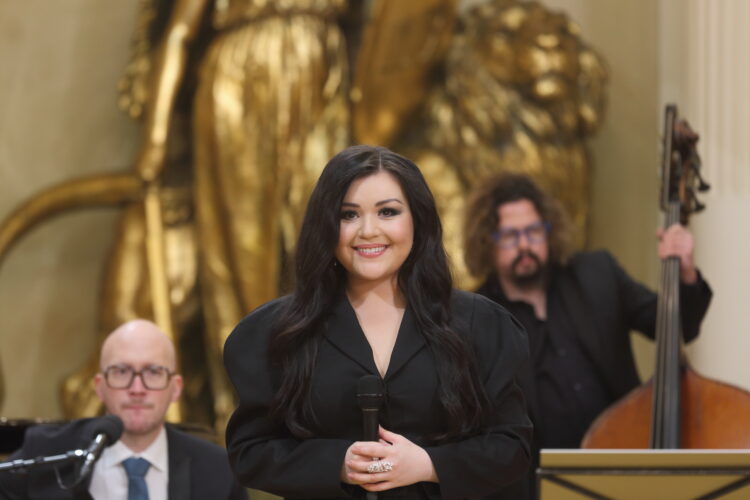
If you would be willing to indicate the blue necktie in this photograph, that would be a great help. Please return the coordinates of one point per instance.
(136, 469)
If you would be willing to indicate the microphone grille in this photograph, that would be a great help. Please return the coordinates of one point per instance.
(109, 425)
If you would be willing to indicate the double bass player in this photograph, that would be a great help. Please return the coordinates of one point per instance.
(578, 309)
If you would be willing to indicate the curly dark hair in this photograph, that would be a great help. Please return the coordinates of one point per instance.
(424, 279)
(482, 220)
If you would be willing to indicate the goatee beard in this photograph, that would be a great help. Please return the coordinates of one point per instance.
(529, 281)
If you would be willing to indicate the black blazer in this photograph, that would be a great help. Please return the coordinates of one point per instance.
(266, 456)
(198, 469)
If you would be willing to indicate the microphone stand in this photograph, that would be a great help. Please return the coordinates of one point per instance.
(21, 464)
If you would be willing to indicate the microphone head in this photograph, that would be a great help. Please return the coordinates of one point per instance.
(370, 392)
(109, 425)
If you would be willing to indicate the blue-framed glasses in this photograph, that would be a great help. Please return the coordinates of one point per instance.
(509, 238)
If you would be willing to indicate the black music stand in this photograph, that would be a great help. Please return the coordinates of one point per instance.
(644, 474)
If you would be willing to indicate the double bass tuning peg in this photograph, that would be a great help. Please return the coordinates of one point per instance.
(695, 167)
(703, 186)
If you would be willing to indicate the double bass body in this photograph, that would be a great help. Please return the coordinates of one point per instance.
(713, 415)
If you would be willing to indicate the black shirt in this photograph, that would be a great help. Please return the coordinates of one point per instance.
(567, 391)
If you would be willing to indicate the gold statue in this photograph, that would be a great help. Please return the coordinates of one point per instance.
(270, 106)
(243, 102)
(521, 92)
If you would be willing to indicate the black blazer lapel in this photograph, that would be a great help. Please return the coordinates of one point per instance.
(178, 487)
(580, 316)
(343, 331)
(408, 343)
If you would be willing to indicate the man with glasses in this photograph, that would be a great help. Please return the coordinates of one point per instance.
(151, 461)
(577, 309)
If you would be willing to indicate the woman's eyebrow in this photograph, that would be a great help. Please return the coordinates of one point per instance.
(388, 201)
(382, 202)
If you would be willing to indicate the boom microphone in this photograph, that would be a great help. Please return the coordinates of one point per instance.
(106, 431)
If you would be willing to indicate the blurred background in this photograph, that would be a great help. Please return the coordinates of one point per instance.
(62, 63)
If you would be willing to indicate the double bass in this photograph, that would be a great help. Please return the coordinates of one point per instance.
(677, 408)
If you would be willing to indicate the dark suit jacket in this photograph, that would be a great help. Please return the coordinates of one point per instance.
(266, 456)
(198, 469)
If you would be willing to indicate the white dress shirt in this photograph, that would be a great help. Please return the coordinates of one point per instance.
(110, 482)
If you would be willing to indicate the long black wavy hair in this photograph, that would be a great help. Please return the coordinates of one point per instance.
(424, 279)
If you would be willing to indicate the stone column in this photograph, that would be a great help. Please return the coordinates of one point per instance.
(706, 71)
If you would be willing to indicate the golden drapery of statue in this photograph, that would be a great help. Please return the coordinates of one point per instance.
(244, 101)
(269, 108)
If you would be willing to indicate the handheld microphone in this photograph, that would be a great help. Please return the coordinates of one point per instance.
(106, 431)
(370, 399)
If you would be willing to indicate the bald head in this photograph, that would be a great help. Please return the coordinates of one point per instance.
(143, 350)
(138, 336)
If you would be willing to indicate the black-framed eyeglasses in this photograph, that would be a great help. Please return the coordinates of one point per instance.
(509, 238)
(154, 377)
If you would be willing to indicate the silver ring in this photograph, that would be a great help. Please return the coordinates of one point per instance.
(379, 466)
